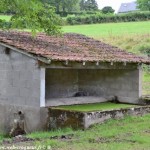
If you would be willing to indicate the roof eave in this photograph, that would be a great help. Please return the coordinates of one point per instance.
(42, 59)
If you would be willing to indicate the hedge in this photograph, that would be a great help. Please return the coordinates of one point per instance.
(102, 18)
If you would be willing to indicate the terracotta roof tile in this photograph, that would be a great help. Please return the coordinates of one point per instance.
(73, 47)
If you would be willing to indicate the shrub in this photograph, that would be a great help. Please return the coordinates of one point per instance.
(145, 49)
(106, 18)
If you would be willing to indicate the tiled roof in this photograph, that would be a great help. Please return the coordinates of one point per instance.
(127, 7)
(71, 47)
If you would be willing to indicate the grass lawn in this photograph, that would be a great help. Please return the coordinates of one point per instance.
(110, 29)
(5, 17)
(95, 107)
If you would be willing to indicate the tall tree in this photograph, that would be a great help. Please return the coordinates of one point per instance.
(54, 3)
(69, 5)
(63, 5)
(31, 14)
(143, 5)
(89, 5)
(82, 5)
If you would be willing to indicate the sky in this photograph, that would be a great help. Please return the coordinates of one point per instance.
(115, 4)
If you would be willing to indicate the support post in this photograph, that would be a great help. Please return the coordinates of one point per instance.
(42, 87)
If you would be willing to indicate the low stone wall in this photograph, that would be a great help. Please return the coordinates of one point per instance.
(63, 118)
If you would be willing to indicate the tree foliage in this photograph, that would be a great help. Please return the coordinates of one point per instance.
(144, 5)
(107, 10)
(31, 14)
(63, 5)
(88, 5)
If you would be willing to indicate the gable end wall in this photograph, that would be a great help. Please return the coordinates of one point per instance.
(19, 78)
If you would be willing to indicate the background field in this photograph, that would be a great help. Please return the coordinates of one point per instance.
(110, 29)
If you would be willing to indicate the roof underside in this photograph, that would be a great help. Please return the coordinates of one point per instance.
(71, 47)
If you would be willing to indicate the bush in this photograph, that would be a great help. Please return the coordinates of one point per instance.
(145, 49)
(106, 18)
(4, 24)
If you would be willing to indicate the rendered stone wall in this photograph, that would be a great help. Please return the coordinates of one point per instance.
(125, 84)
(61, 83)
(19, 79)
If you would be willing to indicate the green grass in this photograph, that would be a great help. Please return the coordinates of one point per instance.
(131, 133)
(146, 83)
(44, 134)
(1, 137)
(110, 29)
(5, 17)
(95, 107)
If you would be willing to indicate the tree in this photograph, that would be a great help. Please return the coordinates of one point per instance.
(82, 5)
(63, 5)
(143, 5)
(88, 5)
(54, 3)
(31, 14)
(107, 10)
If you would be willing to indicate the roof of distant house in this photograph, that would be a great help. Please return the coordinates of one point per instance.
(70, 46)
(128, 7)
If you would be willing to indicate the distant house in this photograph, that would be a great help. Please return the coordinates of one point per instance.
(128, 7)
(36, 73)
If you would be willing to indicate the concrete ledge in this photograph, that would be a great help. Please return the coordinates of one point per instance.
(64, 118)
(130, 100)
(74, 100)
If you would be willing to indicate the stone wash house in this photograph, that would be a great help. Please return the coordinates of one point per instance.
(36, 73)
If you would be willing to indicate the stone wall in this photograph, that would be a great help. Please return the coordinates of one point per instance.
(19, 79)
(125, 84)
(61, 83)
(63, 118)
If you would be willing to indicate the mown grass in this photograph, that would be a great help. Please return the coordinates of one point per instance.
(95, 107)
(110, 29)
(130, 133)
(5, 17)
